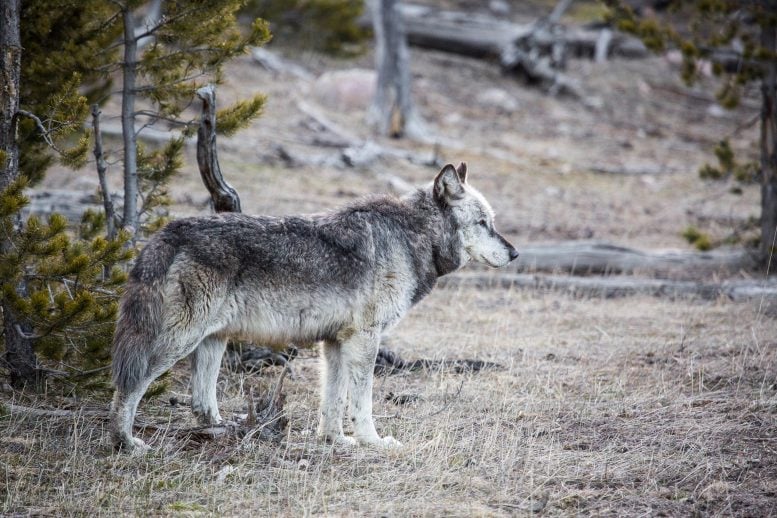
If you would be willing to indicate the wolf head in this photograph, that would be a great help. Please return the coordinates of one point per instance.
(473, 218)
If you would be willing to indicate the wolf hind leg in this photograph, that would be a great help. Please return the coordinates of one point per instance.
(206, 360)
(334, 393)
(169, 348)
(359, 352)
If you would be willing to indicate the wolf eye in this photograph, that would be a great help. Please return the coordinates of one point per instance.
(483, 223)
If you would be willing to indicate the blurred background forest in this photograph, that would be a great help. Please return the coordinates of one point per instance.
(628, 147)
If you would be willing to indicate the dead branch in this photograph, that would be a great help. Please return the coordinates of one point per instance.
(44, 133)
(110, 213)
(354, 151)
(58, 412)
(388, 362)
(539, 56)
(277, 65)
(224, 196)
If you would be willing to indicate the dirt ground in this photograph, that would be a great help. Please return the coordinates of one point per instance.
(611, 407)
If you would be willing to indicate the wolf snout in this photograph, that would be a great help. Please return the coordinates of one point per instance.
(513, 254)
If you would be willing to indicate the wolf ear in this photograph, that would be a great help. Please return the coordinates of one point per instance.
(448, 185)
(462, 170)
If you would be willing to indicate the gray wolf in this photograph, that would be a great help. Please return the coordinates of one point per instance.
(339, 278)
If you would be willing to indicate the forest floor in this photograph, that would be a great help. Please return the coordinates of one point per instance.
(629, 406)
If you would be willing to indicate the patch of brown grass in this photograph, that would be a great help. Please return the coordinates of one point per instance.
(627, 406)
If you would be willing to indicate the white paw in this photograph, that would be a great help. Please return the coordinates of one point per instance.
(387, 442)
(139, 447)
(206, 419)
(133, 446)
(337, 440)
(344, 440)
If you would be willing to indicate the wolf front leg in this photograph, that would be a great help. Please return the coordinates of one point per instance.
(334, 391)
(358, 353)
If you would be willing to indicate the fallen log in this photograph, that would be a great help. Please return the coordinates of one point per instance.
(483, 36)
(593, 257)
(764, 291)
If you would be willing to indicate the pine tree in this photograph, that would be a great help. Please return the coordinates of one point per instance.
(60, 285)
(740, 39)
(54, 288)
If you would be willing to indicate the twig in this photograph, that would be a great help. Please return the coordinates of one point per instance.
(440, 410)
(251, 417)
(26, 335)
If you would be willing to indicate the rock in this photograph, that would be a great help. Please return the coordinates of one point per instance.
(351, 89)
(497, 98)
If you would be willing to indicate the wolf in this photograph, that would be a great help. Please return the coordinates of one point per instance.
(340, 278)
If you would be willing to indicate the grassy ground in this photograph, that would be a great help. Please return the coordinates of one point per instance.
(609, 407)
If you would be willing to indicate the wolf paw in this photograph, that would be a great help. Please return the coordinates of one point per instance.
(386, 443)
(337, 440)
(209, 419)
(389, 443)
(133, 446)
(344, 440)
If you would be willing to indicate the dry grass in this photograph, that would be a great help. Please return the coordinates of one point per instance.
(630, 406)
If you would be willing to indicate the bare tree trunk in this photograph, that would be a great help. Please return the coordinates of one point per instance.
(129, 71)
(19, 354)
(10, 67)
(224, 196)
(110, 215)
(392, 111)
(769, 148)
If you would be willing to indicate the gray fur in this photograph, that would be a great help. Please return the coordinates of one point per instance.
(340, 278)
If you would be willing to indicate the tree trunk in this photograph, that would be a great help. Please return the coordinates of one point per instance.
(19, 354)
(769, 148)
(129, 71)
(393, 112)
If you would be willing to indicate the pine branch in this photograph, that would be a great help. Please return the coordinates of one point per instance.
(45, 133)
(157, 117)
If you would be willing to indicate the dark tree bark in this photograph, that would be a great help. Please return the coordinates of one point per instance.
(224, 196)
(769, 148)
(129, 73)
(392, 111)
(19, 354)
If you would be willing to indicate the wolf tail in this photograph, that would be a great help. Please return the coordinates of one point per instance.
(140, 316)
